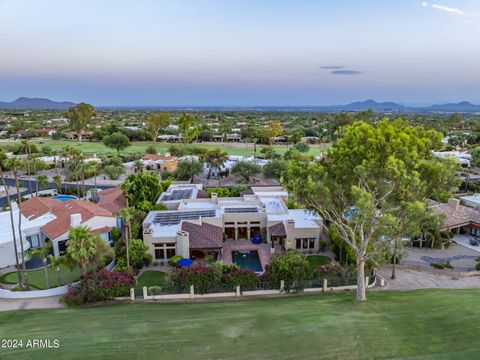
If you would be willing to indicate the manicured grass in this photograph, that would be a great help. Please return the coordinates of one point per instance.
(36, 278)
(426, 324)
(140, 146)
(151, 278)
(317, 260)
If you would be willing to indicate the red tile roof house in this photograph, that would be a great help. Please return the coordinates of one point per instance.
(112, 200)
(67, 215)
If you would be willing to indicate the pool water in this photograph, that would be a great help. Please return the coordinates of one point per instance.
(65, 197)
(247, 259)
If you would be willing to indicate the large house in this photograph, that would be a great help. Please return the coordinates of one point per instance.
(201, 226)
(47, 219)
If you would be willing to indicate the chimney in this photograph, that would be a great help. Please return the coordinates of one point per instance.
(75, 220)
(454, 203)
(214, 198)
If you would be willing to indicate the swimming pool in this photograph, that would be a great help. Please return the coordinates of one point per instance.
(65, 197)
(247, 259)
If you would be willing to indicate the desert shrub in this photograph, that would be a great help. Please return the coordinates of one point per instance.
(99, 286)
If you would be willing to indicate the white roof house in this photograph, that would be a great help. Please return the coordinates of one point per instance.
(7, 248)
(464, 158)
(203, 223)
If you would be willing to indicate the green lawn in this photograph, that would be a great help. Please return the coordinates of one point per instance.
(140, 146)
(426, 324)
(317, 260)
(36, 278)
(151, 278)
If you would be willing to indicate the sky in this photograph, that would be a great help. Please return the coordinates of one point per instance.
(240, 52)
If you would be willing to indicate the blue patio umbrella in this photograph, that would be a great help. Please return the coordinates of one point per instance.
(185, 262)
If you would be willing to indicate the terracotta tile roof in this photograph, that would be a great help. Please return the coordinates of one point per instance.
(455, 215)
(102, 230)
(156, 157)
(202, 194)
(277, 230)
(63, 213)
(205, 236)
(38, 206)
(248, 191)
(112, 200)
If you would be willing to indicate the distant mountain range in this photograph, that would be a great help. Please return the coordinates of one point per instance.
(464, 106)
(36, 104)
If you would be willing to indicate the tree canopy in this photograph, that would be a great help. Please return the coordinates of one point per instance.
(367, 179)
(79, 117)
(143, 190)
(157, 122)
(117, 141)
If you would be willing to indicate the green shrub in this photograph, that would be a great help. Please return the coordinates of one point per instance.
(291, 267)
(323, 245)
(173, 261)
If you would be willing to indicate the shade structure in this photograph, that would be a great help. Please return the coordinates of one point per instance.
(185, 262)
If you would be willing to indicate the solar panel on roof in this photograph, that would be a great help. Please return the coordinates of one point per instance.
(176, 217)
(234, 210)
(177, 195)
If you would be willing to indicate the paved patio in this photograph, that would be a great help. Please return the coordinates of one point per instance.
(459, 256)
(263, 250)
(464, 240)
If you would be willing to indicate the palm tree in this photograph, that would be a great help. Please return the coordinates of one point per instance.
(85, 247)
(57, 262)
(137, 166)
(94, 167)
(14, 164)
(12, 222)
(27, 148)
(43, 252)
(215, 158)
(127, 214)
(57, 175)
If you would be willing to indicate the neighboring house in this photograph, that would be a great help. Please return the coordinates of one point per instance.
(7, 248)
(157, 162)
(55, 218)
(462, 157)
(201, 225)
(458, 219)
(73, 135)
(112, 200)
(178, 191)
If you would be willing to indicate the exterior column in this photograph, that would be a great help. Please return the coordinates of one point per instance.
(248, 233)
(56, 251)
(236, 233)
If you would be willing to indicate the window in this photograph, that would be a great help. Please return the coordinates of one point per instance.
(164, 251)
(305, 243)
(34, 241)
(298, 243)
(229, 223)
(254, 222)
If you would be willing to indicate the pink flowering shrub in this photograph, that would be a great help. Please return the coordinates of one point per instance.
(98, 286)
(208, 277)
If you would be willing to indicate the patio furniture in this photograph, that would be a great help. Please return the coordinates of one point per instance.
(474, 242)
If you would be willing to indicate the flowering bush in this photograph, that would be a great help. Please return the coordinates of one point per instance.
(98, 286)
(206, 277)
(328, 270)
